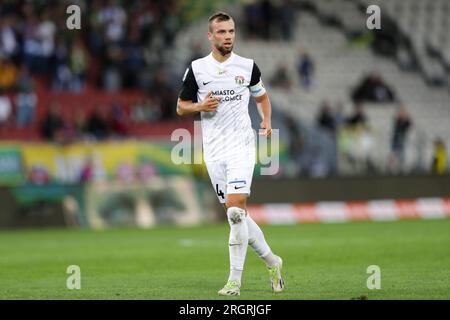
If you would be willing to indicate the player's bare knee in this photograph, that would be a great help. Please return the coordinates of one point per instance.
(236, 205)
(236, 202)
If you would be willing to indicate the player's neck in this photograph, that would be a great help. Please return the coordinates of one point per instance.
(219, 57)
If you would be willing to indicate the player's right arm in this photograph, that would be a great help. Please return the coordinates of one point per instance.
(187, 103)
(188, 107)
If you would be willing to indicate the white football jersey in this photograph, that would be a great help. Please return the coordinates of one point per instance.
(227, 131)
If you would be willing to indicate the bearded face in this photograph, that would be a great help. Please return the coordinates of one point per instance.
(222, 35)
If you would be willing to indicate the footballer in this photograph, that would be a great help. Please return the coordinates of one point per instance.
(219, 87)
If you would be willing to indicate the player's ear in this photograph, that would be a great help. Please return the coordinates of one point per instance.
(209, 35)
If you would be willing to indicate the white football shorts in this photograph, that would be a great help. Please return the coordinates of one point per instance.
(231, 175)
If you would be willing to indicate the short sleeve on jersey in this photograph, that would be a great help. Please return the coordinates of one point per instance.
(190, 87)
(256, 75)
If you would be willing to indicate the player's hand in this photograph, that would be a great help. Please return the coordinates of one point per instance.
(265, 124)
(210, 103)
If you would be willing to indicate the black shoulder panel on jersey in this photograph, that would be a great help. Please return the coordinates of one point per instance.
(256, 75)
(190, 87)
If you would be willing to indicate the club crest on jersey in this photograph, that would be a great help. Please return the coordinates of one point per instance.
(239, 79)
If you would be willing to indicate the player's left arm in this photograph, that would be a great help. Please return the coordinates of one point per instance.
(265, 111)
(259, 93)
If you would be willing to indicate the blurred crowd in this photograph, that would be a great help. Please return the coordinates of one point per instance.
(120, 45)
(282, 77)
(102, 123)
(346, 143)
(269, 20)
(117, 43)
(340, 143)
(99, 125)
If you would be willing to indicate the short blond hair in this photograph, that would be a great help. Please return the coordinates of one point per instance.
(219, 17)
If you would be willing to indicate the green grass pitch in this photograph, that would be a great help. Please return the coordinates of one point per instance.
(320, 262)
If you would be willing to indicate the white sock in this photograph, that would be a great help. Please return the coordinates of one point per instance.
(258, 243)
(238, 242)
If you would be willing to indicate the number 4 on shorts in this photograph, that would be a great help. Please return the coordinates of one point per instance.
(220, 192)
